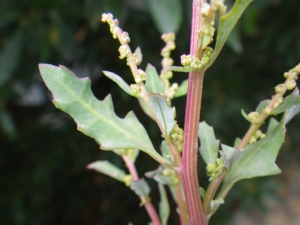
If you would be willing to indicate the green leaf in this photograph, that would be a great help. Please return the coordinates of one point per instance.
(139, 54)
(95, 118)
(109, 169)
(182, 89)
(234, 40)
(209, 144)
(202, 192)
(227, 22)
(257, 160)
(122, 84)
(227, 154)
(140, 187)
(262, 105)
(145, 108)
(159, 177)
(287, 102)
(244, 114)
(10, 56)
(7, 124)
(164, 113)
(153, 82)
(166, 14)
(164, 207)
(166, 152)
(292, 112)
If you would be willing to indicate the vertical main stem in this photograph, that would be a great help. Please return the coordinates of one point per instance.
(189, 169)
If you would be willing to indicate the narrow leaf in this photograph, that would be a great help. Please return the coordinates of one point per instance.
(182, 89)
(227, 22)
(164, 113)
(258, 160)
(292, 112)
(138, 53)
(153, 82)
(159, 177)
(209, 144)
(287, 102)
(166, 14)
(262, 105)
(109, 169)
(164, 207)
(95, 118)
(122, 84)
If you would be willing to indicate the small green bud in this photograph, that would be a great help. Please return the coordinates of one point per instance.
(253, 117)
(252, 140)
(125, 37)
(267, 110)
(123, 50)
(136, 89)
(280, 88)
(290, 84)
(140, 76)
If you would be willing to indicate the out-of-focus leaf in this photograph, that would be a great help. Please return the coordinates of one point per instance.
(95, 118)
(182, 89)
(140, 187)
(164, 207)
(6, 124)
(234, 40)
(109, 169)
(227, 22)
(10, 56)
(153, 82)
(166, 14)
(209, 144)
(122, 84)
(164, 113)
(262, 105)
(294, 110)
(287, 102)
(257, 160)
(159, 177)
(138, 53)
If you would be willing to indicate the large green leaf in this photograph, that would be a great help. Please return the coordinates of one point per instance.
(227, 23)
(95, 118)
(166, 14)
(257, 160)
(164, 113)
(209, 144)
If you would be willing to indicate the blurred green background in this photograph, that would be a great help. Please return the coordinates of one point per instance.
(42, 155)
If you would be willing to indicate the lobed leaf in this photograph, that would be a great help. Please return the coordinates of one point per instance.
(257, 160)
(209, 144)
(95, 118)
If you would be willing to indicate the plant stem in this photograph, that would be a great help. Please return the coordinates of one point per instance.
(148, 205)
(181, 204)
(189, 169)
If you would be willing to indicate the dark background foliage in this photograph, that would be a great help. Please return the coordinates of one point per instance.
(42, 155)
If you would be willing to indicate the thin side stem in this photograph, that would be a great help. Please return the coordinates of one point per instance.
(189, 169)
(148, 205)
(181, 204)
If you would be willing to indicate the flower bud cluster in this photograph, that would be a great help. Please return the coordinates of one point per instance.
(214, 170)
(172, 175)
(136, 89)
(253, 118)
(195, 63)
(140, 76)
(258, 135)
(113, 23)
(209, 12)
(177, 137)
(171, 91)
